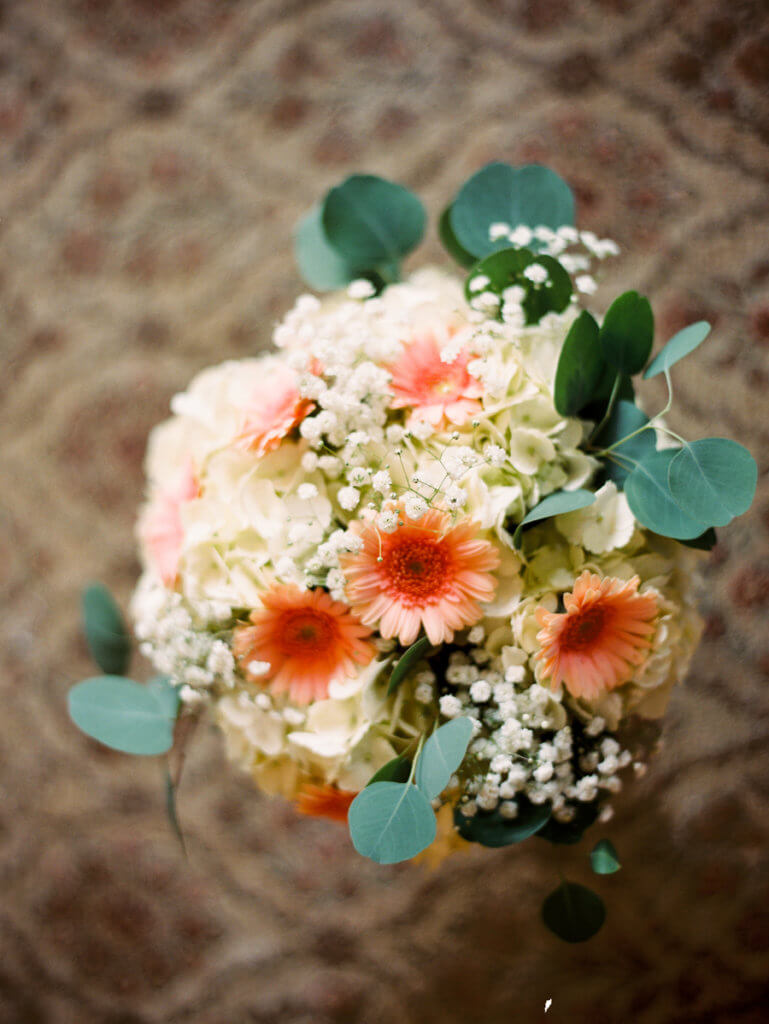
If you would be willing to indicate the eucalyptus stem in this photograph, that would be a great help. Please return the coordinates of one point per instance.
(416, 758)
(610, 407)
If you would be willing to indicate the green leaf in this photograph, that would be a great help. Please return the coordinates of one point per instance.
(555, 504)
(406, 662)
(625, 418)
(105, 630)
(627, 332)
(713, 480)
(573, 912)
(491, 829)
(568, 833)
(652, 503)
(498, 193)
(173, 817)
(397, 770)
(321, 266)
(442, 755)
(506, 267)
(604, 859)
(371, 221)
(166, 694)
(680, 345)
(580, 366)
(122, 714)
(705, 542)
(450, 243)
(390, 822)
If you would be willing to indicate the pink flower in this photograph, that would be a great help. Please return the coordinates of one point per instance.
(426, 573)
(161, 527)
(602, 637)
(274, 409)
(435, 391)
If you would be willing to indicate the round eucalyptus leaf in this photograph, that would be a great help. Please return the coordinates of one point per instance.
(680, 345)
(489, 828)
(580, 366)
(627, 332)
(604, 859)
(625, 418)
(555, 504)
(441, 755)
(450, 243)
(397, 770)
(507, 267)
(321, 266)
(390, 822)
(652, 503)
(500, 194)
(713, 479)
(105, 630)
(122, 714)
(705, 542)
(166, 694)
(573, 912)
(371, 221)
(568, 833)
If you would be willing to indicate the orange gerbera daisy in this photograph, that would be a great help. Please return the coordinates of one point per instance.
(426, 573)
(602, 637)
(307, 639)
(325, 802)
(161, 527)
(435, 391)
(274, 409)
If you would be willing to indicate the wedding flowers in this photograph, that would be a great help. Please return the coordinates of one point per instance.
(435, 390)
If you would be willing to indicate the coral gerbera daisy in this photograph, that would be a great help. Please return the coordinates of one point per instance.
(425, 573)
(275, 407)
(161, 527)
(306, 638)
(602, 637)
(324, 802)
(435, 391)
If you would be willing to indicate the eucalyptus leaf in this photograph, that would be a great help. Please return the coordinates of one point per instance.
(321, 266)
(705, 542)
(580, 366)
(489, 828)
(105, 630)
(680, 345)
(604, 859)
(171, 812)
(370, 221)
(406, 662)
(122, 714)
(627, 332)
(555, 504)
(166, 694)
(573, 912)
(568, 833)
(506, 267)
(713, 480)
(624, 420)
(397, 770)
(441, 755)
(652, 503)
(391, 822)
(532, 195)
(450, 243)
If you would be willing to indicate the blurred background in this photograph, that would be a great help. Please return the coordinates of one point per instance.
(155, 156)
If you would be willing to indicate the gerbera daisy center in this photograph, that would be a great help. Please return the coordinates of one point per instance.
(418, 568)
(583, 629)
(303, 631)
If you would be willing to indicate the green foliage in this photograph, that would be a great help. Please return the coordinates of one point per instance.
(397, 770)
(573, 912)
(652, 502)
(442, 755)
(627, 333)
(499, 193)
(491, 829)
(123, 715)
(713, 480)
(406, 662)
(505, 268)
(166, 695)
(555, 504)
(171, 812)
(680, 345)
(390, 822)
(450, 243)
(568, 833)
(705, 542)
(580, 366)
(604, 859)
(321, 266)
(625, 418)
(105, 630)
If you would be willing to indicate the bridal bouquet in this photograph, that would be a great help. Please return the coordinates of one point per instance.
(429, 564)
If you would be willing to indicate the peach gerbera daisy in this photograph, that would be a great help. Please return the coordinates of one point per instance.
(161, 527)
(307, 639)
(602, 637)
(435, 391)
(426, 573)
(275, 407)
(324, 802)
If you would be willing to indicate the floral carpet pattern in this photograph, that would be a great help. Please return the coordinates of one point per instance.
(155, 156)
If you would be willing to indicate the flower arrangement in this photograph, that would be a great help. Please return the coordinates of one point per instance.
(429, 565)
